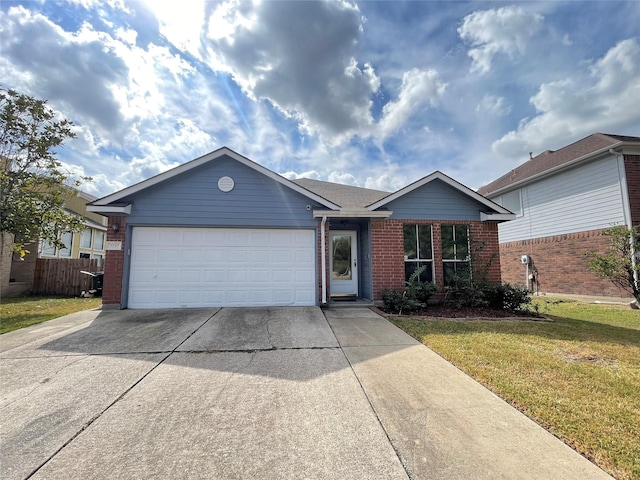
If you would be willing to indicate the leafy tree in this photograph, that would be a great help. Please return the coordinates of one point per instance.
(620, 263)
(33, 185)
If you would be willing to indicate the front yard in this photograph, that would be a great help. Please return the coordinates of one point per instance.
(578, 376)
(20, 312)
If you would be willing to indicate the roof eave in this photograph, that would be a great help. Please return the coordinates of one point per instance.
(567, 165)
(352, 213)
(110, 209)
(497, 217)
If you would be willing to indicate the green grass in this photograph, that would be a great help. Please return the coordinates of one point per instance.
(577, 376)
(20, 312)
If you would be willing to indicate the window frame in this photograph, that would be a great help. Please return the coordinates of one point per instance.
(455, 261)
(501, 198)
(103, 236)
(67, 251)
(83, 236)
(419, 261)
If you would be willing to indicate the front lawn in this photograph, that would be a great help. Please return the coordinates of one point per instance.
(578, 376)
(20, 312)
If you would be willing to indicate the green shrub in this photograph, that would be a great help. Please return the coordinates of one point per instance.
(463, 293)
(397, 301)
(418, 290)
(516, 297)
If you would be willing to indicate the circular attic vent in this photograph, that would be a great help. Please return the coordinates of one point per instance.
(226, 184)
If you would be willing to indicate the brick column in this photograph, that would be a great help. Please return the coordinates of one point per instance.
(114, 264)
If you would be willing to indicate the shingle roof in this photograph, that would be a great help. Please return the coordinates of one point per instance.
(344, 195)
(550, 159)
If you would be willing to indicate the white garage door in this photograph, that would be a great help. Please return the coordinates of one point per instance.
(214, 267)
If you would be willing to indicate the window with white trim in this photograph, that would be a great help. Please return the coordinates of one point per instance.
(98, 240)
(85, 238)
(455, 252)
(418, 250)
(67, 239)
(512, 201)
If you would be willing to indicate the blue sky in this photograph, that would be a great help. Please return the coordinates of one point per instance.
(374, 94)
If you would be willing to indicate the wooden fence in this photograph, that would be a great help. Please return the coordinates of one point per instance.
(61, 276)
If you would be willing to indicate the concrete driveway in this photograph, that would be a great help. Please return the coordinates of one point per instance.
(254, 393)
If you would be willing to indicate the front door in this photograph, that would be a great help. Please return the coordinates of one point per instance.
(344, 263)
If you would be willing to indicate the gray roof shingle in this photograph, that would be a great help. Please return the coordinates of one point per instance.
(347, 196)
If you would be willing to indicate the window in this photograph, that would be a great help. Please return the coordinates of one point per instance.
(99, 259)
(67, 239)
(98, 240)
(85, 239)
(47, 249)
(511, 201)
(455, 252)
(85, 255)
(418, 251)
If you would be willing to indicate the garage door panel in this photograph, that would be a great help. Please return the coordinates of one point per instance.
(166, 255)
(190, 297)
(214, 276)
(221, 267)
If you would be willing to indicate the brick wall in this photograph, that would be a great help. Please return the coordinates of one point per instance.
(114, 264)
(559, 264)
(632, 170)
(387, 248)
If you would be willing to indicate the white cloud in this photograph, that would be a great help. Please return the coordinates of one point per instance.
(602, 100)
(493, 105)
(386, 182)
(504, 30)
(312, 174)
(181, 23)
(343, 178)
(418, 88)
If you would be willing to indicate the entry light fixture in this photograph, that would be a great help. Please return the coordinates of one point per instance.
(115, 227)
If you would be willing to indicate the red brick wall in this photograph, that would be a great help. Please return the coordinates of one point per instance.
(632, 170)
(559, 263)
(114, 264)
(387, 247)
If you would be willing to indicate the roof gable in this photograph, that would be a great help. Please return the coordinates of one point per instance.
(117, 198)
(549, 160)
(439, 176)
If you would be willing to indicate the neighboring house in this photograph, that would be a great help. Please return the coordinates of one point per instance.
(18, 274)
(222, 230)
(563, 200)
(88, 243)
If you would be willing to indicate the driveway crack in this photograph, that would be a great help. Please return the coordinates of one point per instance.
(120, 397)
(43, 382)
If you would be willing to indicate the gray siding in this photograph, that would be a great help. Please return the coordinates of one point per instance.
(581, 199)
(364, 252)
(193, 199)
(435, 201)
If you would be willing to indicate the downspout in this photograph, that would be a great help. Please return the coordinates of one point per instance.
(323, 260)
(626, 206)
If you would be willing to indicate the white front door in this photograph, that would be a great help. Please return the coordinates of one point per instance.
(344, 263)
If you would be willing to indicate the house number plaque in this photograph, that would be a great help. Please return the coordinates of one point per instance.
(113, 245)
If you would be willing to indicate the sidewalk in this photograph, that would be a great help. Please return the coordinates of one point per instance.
(442, 423)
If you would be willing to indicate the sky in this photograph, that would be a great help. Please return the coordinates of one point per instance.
(373, 94)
